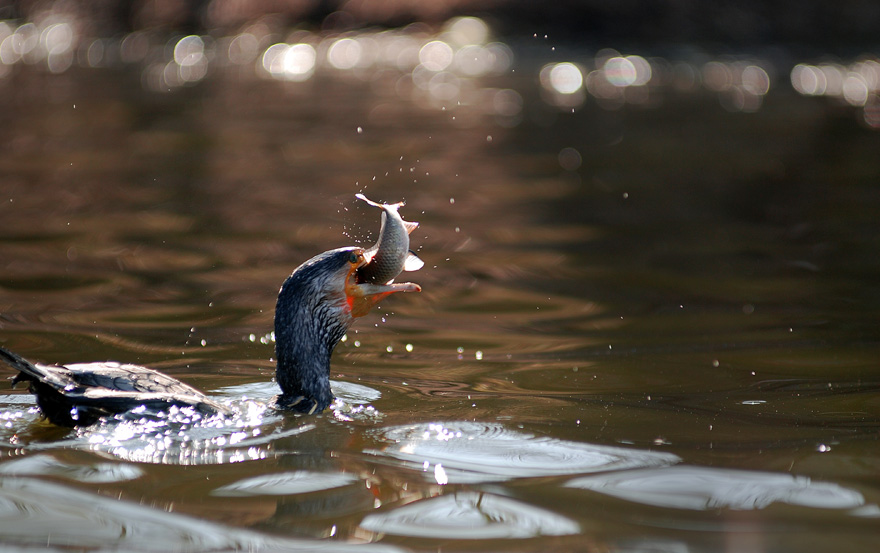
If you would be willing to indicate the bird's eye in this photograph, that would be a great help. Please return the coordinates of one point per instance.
(353, 257)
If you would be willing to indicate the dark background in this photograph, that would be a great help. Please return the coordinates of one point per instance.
(807, 27)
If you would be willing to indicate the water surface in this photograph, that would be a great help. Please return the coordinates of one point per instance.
(643, 327)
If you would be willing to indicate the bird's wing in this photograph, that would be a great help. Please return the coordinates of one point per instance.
(126, 378)
(125, 383)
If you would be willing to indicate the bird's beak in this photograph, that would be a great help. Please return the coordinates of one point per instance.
(363, 296)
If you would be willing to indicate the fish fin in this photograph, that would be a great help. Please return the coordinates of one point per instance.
(410, 226)
(370, 253)
(412, 262)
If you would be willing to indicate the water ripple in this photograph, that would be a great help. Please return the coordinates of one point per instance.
(286, 483)
(705, 488)
(46, 465)
(470, 515)
(473, 452)
(38, 513)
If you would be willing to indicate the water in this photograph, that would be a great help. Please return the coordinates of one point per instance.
(643, 327)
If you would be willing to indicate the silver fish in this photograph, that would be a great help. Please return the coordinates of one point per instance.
(391, 254)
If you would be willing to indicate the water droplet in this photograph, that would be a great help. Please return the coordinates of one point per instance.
(478, 355)
(360, 130)
(409, 347)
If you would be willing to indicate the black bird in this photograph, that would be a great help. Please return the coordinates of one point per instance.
(316, 305)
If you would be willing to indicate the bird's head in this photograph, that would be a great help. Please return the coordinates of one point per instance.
(316, 305)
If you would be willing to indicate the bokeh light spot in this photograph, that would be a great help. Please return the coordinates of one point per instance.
(507, 102)
(570, 159)
(436, 55)
(464, 31)
(243, 49)
(566, 78)
(855, 90)
(755, 80)
(833, 79)
(299, 62)
(290, 62)
(620, 71)
(643, 70)
(344, 53)
(807, 80)
(717, 76)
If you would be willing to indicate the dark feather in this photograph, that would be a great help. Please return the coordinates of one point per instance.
(79, 394)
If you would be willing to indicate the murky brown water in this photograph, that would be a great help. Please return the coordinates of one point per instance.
(642, 329)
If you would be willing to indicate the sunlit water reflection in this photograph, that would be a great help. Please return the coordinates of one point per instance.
(470, 515)
(469, 452)
(185, 436)
(45, 465)
(703, 488)
(287, 483)
(42, 514)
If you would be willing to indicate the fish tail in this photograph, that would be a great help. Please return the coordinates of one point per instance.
(369, 201)
(395, 207)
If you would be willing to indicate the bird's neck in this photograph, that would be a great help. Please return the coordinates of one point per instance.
(304, 342)
(304, 378)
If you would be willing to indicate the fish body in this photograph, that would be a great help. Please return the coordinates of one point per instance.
(391, 254)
